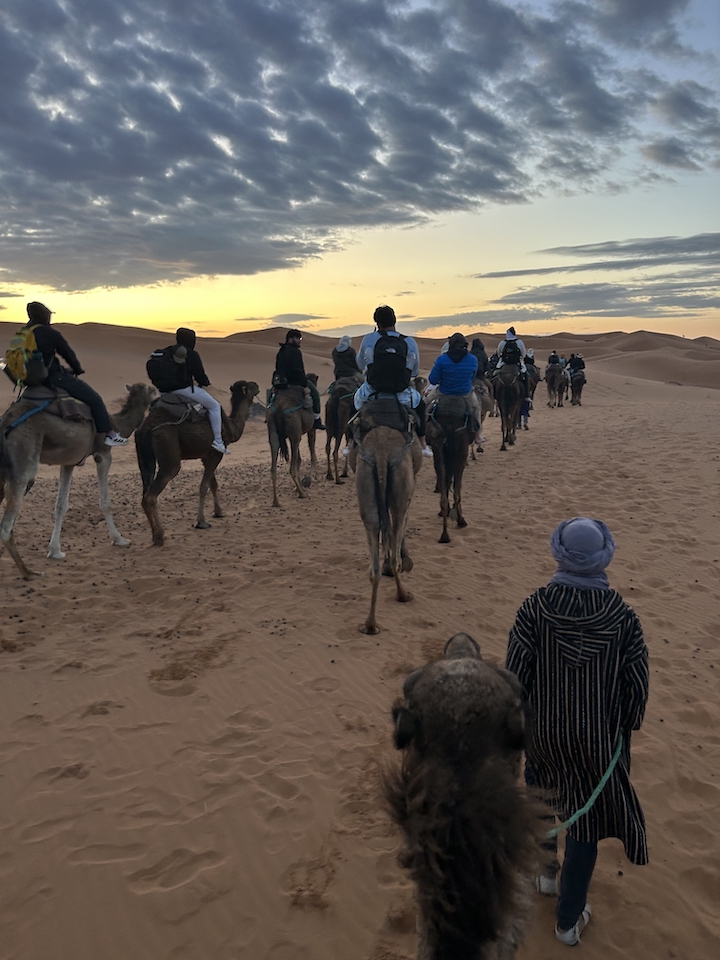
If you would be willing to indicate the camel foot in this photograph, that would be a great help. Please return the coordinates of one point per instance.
(121, 542)
(406, 565)
(329, 476)
(31, 574)
(56, 555)
(158, 539)
(339, 483)
(462, 522)
(370, 629)
(218, 513)
(306, 480)
(404, 597)
(445, 537)
(479, 449)
(386, 569)
(202, 525)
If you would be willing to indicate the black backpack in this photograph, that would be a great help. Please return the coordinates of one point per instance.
(511, 352)
(164, 372)
(389, 373)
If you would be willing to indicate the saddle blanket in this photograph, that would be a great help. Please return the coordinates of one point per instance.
(385, 413)
(180, 408)
(61, 405)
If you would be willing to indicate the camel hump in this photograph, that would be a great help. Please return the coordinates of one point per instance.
(450, 406)
(57, 402)
(384, 412)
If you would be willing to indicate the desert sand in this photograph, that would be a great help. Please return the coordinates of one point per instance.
(191, 734)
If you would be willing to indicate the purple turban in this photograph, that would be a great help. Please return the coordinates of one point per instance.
(582, 548)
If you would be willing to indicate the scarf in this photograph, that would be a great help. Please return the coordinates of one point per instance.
(582, 548)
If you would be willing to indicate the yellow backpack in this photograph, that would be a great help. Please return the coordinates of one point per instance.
(24, 363)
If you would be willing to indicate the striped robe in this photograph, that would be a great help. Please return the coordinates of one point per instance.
(583, 664)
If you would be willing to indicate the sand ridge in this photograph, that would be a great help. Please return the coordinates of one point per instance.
(192, 733)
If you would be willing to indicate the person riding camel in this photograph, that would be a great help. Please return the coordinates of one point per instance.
(453, 374)
(554, 358)
(195, 380)
(478, 351)
(290, 370)
(52, 344)
(576, 363)
(379, 344)
(511, 351)
(345, 361)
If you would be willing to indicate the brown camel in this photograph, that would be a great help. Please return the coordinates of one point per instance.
(46, 438)
(483, 391)
(555, 382)
(533, 378)
(509, 392)
(163, 442)
(288, 418)
(338, 411)
(470, 832)
(577, 382)
(386, 462)
(449, 432)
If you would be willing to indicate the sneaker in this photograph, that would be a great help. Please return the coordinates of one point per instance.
(547, 886)
(116, 441)
(219, 446)
(482, 439)
(346, 452)
(319, 425)
(572, 936)
(427, 452)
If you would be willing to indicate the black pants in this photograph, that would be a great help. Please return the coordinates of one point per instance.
(421, 410)
(315, 394)
(82, 391)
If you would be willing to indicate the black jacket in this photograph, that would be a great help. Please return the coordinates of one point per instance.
(51, 343)
(345, 362)
(194, 370)
(482, 359)
(577, 363)
(289, 364)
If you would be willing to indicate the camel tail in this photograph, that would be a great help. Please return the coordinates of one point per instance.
(468, 842)
(277, 433)
(383, 481)
(6, 464)
(145, 457)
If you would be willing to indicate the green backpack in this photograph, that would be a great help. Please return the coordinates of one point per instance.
(24, 363)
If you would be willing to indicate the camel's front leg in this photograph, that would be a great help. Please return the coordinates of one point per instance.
(104, 462)
(210, 462)
(150, 497)
(295, 467)
(61, 507)
(217, 509)
(373, 537)
(14, 493)
(311, 444)
(457, 492)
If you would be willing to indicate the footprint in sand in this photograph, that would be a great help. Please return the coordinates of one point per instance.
(99, 853)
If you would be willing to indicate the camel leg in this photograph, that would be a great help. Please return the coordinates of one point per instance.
(217, 509)
(328, 441)
(274, 450)
(373, 537)
(457, 493)
(103, 464)
(149, 501)
(295, 467)
(443, 487)
(402, 595)
(208, 476)
(61, 507)
(311, 444)
(14, 492)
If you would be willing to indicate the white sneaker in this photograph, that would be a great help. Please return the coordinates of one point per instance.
(116, 441)
(219, 446)
(572, 936)
(427, 452)
(346, 452)
(547, 886)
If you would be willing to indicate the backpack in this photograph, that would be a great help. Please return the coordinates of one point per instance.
(164, 372)
(389, 373)
(511, 353)
(24, 363)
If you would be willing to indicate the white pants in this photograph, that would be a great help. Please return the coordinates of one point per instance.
(198, 395)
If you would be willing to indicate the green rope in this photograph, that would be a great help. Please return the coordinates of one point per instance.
(594, 795)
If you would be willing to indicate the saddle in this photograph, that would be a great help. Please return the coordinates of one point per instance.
(384, 412)
(452, 406)
(180, 409)
(61, 403)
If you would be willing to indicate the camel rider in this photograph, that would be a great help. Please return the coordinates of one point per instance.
(478, 351)
(576, 363)
(52, 344)
(193, 373)
(554, 358)
(385, 320)
(289, 367)
(512, 350)
(453, 374)
(530, 357)
(345, 361)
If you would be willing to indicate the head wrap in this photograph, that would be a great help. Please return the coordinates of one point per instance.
(457, 347)
(582, 548)
(38, 312)
(345, 342)
(186, 337)
(511, 335)
(445, 347)
(531, 353)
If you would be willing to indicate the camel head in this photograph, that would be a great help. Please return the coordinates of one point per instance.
(244, 388)
(143, 393)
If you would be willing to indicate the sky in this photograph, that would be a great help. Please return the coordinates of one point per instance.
(233, 164)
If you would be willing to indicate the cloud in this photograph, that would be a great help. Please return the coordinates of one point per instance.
(147, 141)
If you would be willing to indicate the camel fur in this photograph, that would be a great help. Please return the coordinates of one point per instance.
(470, 831)
(386, 462)
(162, 443)
(288, 418)
(338, 411)
(449, 432)
(45, 438)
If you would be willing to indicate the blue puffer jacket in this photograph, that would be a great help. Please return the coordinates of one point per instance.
(454, 379)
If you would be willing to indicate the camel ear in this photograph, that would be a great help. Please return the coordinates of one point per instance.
(406, 726)
(128, 387)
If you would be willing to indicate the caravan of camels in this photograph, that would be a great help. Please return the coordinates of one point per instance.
(254, 821)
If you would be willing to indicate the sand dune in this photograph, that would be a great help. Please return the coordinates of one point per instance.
(192, 733)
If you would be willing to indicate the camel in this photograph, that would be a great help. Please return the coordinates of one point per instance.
(555, 381)
(46, 438)
(288, 418)
(534, 377)
(449, 432)
(577, 382)
(163, 442)
(338, 411)
(471, 834)
(509, 392)
(386, 462)
(483, 391)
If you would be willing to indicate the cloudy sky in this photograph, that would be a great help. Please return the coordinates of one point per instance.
(232, 163)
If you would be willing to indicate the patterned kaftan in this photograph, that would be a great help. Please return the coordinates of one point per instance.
(583, 664)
